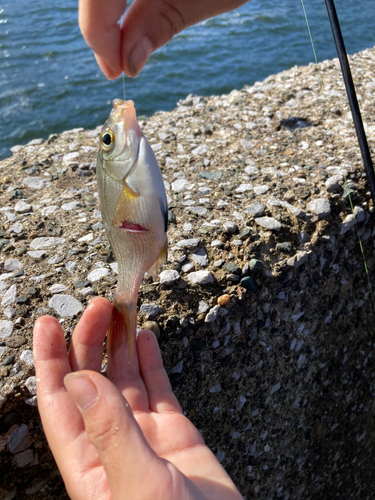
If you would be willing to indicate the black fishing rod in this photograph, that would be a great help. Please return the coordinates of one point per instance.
(351, 93)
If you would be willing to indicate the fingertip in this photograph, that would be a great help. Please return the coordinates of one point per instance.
(111, 73)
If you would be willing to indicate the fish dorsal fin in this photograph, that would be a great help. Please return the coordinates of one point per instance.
(127, 196)
(159, 261)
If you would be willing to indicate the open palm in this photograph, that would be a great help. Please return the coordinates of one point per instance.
(124, 436)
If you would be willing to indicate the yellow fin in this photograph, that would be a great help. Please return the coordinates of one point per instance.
(159, 261)
(127, 196)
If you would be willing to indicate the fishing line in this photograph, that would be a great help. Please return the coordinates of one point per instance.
(123, 84)
(336, 142)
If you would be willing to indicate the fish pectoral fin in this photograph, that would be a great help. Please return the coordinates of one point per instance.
(127, 197)
(154, 270)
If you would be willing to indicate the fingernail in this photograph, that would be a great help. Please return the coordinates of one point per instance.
(139, 55)
(81, 389)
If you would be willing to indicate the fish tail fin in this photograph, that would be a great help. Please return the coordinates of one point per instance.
(162, 258)
(122, 330)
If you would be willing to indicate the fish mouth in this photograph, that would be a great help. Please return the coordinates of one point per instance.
(124, 111)
(132, 227)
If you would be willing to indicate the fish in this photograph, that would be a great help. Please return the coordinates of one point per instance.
(134, 210)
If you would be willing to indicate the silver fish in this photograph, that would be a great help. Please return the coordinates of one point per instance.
(135, 214)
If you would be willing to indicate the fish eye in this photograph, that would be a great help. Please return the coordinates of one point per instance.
(107, 140)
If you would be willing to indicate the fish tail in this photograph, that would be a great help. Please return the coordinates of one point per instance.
(122, 330)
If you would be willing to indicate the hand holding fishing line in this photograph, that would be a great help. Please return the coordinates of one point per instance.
(125, 440)
(147, 26)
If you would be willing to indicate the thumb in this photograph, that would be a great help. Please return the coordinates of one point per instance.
(111, 428)
(150, 24)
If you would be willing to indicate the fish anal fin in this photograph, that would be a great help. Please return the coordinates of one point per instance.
(162, 258)
(127, 197)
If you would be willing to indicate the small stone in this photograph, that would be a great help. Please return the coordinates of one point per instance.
(24, 458)
(213, 175)
(9, 296)
(215, 388)
(19, 440)
(150, 309)
(255, 265)
(320, 207)
(77, 284)
(87, 238)
(8, 360)
(86, 291)
(169, 276)
(32, 401)
(12, 265)
(71, 158)
(200, 150)
(21, 299)
(180, 185)
(36, 182)
(27, 357)
(72, 205)
(230, 227)
(21, 250)
(31, 385)
(200, 277)
(217, 243)
(22, 207)
(153, 326)
(285, 247)
(65, 305)
(198, 210)
(202, 307)
(191, 243)
(248, 283)
(58, 288)
(232, 268)
(15, 341)
(16, 228)
(219, 263)
(114, 267)
(223, 300)
(268, 223)
(71, 267)
(200, 258)
(46, 211)
(98, 274)
(243, 188)
(46, 242)
(9, 312)
(333, 183)
(187, 267)
(298, 259)
(172, 217)
(212, 314)
(256, 209)
(236, 243)
(261, 189)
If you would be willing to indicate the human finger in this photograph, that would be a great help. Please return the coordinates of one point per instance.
(161, 398)
(98, 22)
(54, 403)
(86, 347)
(130, 464)
(149, 25)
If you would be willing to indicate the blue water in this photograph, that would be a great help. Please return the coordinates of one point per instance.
(49, 80)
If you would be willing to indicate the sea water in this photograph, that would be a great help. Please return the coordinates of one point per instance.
(49, 80)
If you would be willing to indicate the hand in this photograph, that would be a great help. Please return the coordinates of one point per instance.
(147, 25)
(127, 439)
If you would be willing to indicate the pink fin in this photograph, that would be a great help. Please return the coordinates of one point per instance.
(131, 227)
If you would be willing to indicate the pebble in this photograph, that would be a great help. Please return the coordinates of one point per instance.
(217, 243)
(178, 367)
(114, 267)
(24, 458)
(151, 309)
(21, 250)
(46, 242)
(22, 207)
(180, 185)
(200, 258)
(251, 170)
(242, 188)
(58, 288)
(236, 243)
(72, 205)
(169, 276)
(248, 283)
(245, 233)
(269, 223)
(200, 277)
(212, 314)
(32, 401)
(187, 267)
(202, 307)
(36, 254)
(198, 210)
(232, 268)
(87, 238)
(223, 300)
(12, 265)
(71, 158)
(153, 326)
(230, 227)
(9, 312)
(213, 175)
(27, 357)
(298, 259)
(65, 305)
(9, 296)
(255, 265)
(46, 211)
(261, 189)
(200, 150)
(98, 274)
(8, 360)
(333, 183)
(15, 341)
(71, 267)
(37, 182)
(255, 208)
(19, 440)
(86, 291)
(16, 228)
(219, 263)
(191, 243)
(320, 207)
(31, 385)
(285, 247)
